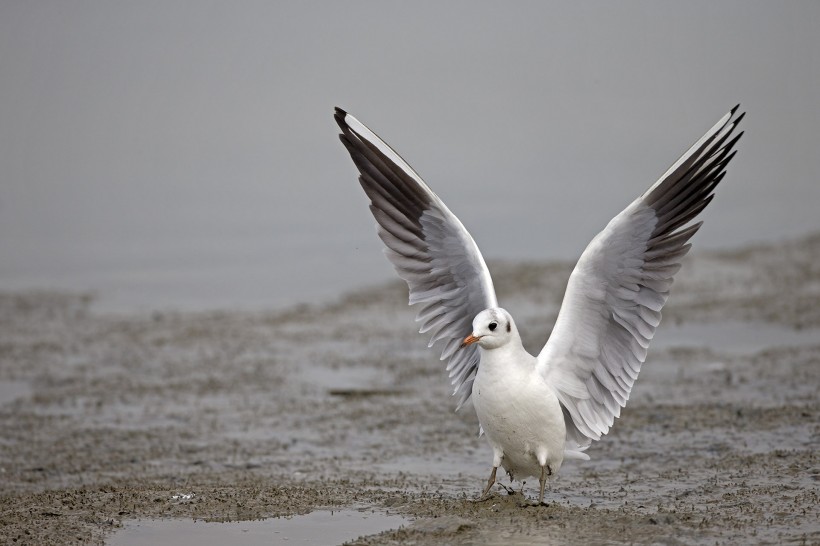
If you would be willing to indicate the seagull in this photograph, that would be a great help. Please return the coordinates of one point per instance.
(537, 411)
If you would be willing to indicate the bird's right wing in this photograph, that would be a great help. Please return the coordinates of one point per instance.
(429, 247)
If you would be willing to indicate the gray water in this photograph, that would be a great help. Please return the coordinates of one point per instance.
(318, 528)
(184, 156)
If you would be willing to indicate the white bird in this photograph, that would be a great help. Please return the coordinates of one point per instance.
(538, 410)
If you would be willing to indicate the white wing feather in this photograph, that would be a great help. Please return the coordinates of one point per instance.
(615, 294)
(428, 246)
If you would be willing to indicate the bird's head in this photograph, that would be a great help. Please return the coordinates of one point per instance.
(492, 328)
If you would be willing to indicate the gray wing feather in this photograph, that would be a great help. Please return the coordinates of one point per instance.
(615, 294)
(429, 248)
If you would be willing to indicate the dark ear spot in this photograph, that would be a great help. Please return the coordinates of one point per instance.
(509, 327)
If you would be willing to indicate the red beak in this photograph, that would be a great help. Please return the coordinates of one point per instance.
(469, 340)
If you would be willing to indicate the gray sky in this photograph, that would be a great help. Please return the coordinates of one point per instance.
(183, 154)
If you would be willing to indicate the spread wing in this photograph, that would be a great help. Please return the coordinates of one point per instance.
(614, 297)
(429, 247)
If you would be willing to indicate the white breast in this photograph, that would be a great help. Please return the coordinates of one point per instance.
(519, 412)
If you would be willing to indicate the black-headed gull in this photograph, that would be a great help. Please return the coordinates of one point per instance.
(537, 411)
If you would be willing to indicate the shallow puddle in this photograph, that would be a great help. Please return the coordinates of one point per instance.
(317, 528)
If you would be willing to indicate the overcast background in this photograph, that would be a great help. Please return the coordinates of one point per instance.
(184, 155)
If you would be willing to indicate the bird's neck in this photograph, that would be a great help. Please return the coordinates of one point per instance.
(512, 353)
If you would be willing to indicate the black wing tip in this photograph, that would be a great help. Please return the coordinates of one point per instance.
(339, 115)
(728, 147)
(739, 118)
(345, 141)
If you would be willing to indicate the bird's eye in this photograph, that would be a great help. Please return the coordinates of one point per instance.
(493, 326)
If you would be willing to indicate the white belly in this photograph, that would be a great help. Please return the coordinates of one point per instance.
(521, 418)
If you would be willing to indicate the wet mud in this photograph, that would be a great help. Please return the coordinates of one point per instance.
(107, 419)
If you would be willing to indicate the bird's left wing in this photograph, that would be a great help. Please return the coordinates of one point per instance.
(428, 246)
(614, 296)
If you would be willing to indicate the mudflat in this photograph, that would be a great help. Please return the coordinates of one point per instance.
(107, 419)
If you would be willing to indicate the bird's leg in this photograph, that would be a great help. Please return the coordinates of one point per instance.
(490, 483)
(545, 471)
(498, 456)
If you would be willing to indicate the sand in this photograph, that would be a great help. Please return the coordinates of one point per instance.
(236, 415)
